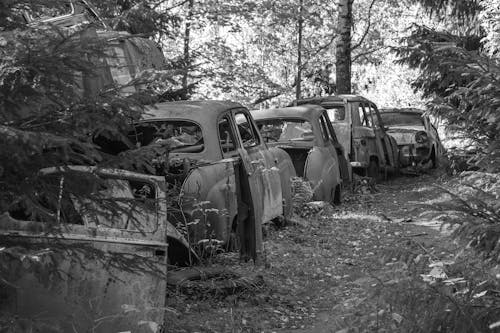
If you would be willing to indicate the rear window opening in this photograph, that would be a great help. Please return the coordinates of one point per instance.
(285, 130)
(178, 136)
(401, 119)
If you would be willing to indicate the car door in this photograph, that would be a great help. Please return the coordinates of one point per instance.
(261, 164)
(345, 170)
(96, 274)
(438, 146)
(208, 196)
(386, 145)
(364, 142)
(322, 165)
(340, 117)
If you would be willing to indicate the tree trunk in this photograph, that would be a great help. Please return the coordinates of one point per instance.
(343, 54)
(187, 37)
(299, 52)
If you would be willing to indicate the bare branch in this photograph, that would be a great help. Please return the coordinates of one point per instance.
(367, 27)
(175, 5)
(368, 52)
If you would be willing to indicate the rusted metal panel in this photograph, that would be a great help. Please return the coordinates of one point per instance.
(265, 170)
(343, 132)
(322, 171)
(209, 198)
(249, 228)
(78, 293)
(92, 278)
(286, 172)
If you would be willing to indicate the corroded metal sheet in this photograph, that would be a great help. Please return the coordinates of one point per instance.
(265, 179)
(209, 200)
(343, 133)
(286, 172)
(82, 277)
(79, 291)
(322, 170)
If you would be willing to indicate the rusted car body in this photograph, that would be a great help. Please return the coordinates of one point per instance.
(91, 270)
(357, 123)
(215, 153)
(306, 134)
(417, 138)
(66, 14)
(125, 58)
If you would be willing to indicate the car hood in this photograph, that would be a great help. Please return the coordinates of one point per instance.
(404, 134)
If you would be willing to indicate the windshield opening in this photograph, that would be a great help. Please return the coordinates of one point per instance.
(177, 135)
(401, 119)
(283, 130)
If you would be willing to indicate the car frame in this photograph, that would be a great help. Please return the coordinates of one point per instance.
(232, 182)
(316, 154)
(417, 144)
(358, 126)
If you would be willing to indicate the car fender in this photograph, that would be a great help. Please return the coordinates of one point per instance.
(286, 172)
(322, 170)
(208, 199)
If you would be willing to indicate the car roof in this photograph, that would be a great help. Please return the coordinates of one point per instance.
(307, 111)
(333, 99)
(402, 110)
(196, 110)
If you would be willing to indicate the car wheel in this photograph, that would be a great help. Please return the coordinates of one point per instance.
(337, 195)
(373, 170)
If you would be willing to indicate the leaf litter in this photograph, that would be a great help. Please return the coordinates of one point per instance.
(324, 274)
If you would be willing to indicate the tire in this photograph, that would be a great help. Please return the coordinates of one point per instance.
(337, 195)
(373, 170)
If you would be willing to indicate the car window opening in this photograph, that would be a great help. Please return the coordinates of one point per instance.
(336, 113)
(401, 119)
(178, 136)
(248, 134)
(285, 130)
(226, 136)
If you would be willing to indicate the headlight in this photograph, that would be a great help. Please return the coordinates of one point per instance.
(421, 137)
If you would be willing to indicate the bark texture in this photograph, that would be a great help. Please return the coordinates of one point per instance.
(343, 52)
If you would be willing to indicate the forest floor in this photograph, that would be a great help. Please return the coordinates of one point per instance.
(337, 271)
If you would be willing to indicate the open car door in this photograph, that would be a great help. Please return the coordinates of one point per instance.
(250, 208)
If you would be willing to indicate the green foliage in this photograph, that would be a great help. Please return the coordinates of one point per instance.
(461, 9)
(449, 296)
(462, 81)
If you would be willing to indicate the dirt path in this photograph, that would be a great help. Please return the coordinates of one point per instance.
(332, 273)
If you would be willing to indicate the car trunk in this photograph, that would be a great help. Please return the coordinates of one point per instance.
(299, 158)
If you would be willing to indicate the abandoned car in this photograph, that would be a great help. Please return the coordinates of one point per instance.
(125, 57)
(357, 123)
(225, 174)
(306, 134)
(99, 241)
(417, 138)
